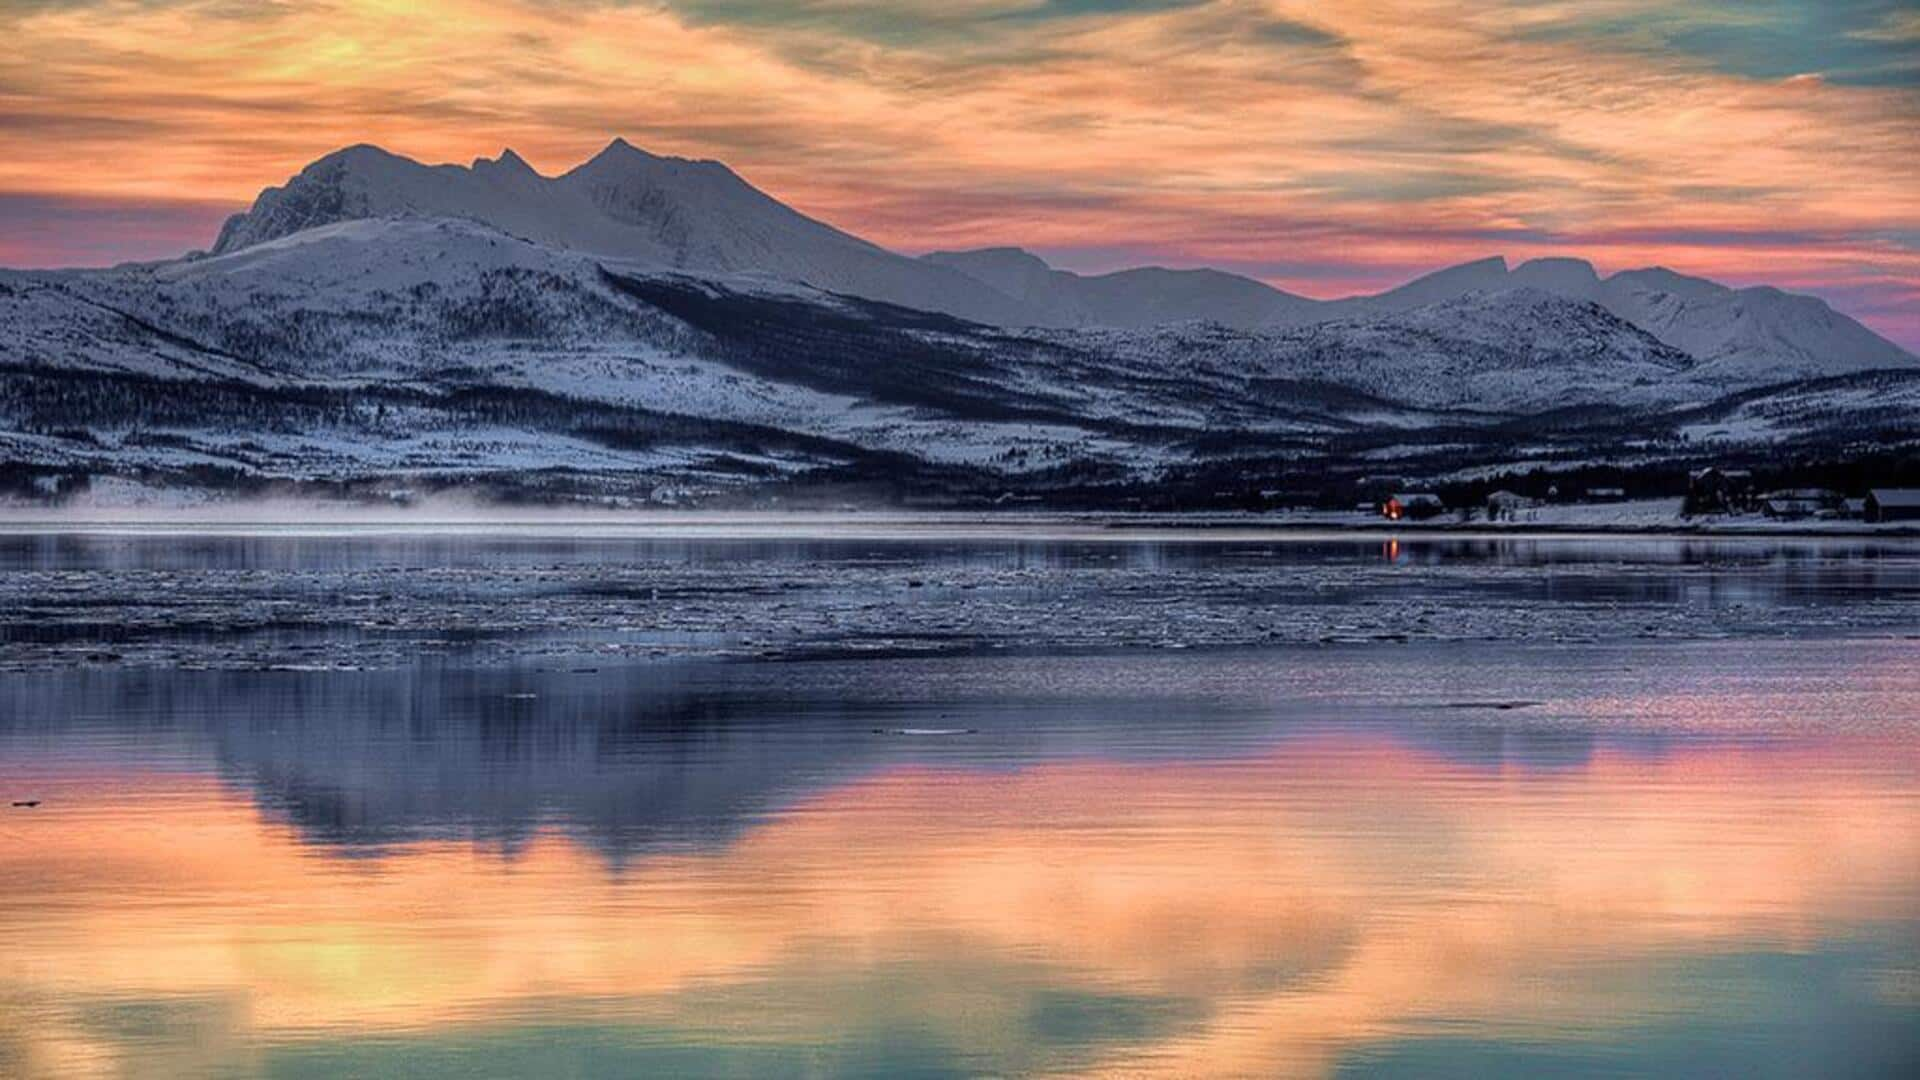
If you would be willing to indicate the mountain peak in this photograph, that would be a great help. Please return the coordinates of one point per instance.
(621, 150)
(507, 164)
(1660, 279)
(1004, 258)
(621, 159)
(1479, 275)
(1492, 269)
(1558, 265)
(1570, 277)
(358, 154)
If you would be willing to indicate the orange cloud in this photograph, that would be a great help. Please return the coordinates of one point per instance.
(1304, 142)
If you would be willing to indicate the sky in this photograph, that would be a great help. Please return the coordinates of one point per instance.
(1327, 148)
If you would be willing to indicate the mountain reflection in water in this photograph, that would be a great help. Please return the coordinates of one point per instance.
(1688, 858)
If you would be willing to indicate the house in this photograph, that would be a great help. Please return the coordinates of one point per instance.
(1714, 490)
(1893, 504)
(1411, 506)
(1793, 503)
(1506, 505)
(1786, 508)
(1854, 509)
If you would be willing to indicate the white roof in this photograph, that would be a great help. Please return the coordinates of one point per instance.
(1405, 497)
(1897, 496)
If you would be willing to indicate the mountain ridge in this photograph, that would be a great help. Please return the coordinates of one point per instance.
(646, 324)
(387, 353)
(701, 216)
(1744, 334)
(623, 203)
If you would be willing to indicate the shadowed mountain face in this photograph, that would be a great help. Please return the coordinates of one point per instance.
(1148, 296)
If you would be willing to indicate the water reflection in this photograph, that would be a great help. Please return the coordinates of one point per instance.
(1680, 860)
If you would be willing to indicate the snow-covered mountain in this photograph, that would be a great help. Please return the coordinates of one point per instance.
(1515, 351)
(624, 203)
(1743, 337)
(646, 323)
(699, 216)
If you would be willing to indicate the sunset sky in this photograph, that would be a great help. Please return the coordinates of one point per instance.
(1326, 148)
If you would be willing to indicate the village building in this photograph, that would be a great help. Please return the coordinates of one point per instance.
(1412, 506)
(1892, 504)
(1795, 503)
(1506, 505)
(1714, 490)
(1784, 508)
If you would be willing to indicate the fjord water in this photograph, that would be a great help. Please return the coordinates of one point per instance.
(425, 803)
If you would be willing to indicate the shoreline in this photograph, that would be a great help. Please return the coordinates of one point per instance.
(895, 524)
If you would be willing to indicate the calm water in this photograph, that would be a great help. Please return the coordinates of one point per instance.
(373, 804)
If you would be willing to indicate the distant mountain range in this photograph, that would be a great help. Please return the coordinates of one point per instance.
(699, 216)
(653, 324)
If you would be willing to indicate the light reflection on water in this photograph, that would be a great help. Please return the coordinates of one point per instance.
(1502, 856)
(1685, 858)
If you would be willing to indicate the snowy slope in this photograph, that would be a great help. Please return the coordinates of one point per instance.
(50, 320)
(1755, 336)
(377, 344)
(1508, 353)
(387, 298)
(428, 346)
(1872, 407)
